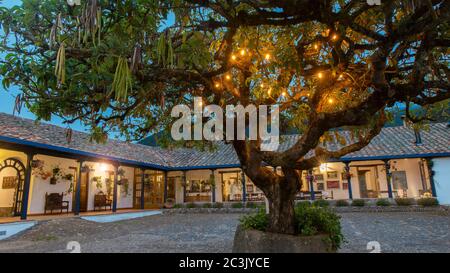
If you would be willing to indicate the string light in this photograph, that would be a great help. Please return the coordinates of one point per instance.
(269, 91)
(341, 77)
(228, 77)
(217, 85)
(200, 103)
(267, 57)
(316, 46)
(320, 75)
(330, 101)
(261, 85)
(334, 37)
(242, 52)
(283, 94)
(233, 57)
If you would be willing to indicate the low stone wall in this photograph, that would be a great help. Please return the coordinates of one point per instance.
(442, 210)
(209, 210)
(255, 241)
(374, 209)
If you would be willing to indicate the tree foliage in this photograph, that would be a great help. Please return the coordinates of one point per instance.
(328, 64)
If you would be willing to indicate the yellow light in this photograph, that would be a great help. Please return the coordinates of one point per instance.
(307, 95)
(233, 57)
(330, 101)
(217, 85)
(270, 90)
(320, 75)
(341, 77)
(267, 56)
(242, 52)
(316, 46)
(335, 37)
(262, 85)
(228, 77)
(200, 103)
(103, 167)
(283, 94)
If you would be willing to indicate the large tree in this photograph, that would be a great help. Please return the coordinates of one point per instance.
(328, 64)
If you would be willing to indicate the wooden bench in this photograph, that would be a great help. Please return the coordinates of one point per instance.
(54, 201)
(101, 201)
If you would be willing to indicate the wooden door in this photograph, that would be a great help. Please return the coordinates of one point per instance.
(153, 189)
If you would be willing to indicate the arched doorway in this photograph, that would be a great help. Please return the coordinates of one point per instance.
(13, 182)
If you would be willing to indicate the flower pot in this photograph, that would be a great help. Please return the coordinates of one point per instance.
(255, 241)
(53, 180)
(36, 163)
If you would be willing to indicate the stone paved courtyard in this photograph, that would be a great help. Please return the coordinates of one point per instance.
(396, 232)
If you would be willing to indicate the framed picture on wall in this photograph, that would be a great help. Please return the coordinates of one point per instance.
(332, 175)
(318, 177)
(333, 184)
(9, 182)
(320, 186)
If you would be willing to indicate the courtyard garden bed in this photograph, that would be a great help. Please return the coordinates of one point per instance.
(317, 230)
(339, 206)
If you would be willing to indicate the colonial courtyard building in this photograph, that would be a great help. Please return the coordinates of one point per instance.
(48, 169)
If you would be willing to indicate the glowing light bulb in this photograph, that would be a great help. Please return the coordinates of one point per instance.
(233, 57)
(261, 85)
(103, 167)
(200, 103)
(341, 77)
(228, 77)
(316, 46)
(320, 75)
(269, 91)
(283, 94)
(330, 101)
(334, 37)
(217, 85)
(267, 57)
(242, 52)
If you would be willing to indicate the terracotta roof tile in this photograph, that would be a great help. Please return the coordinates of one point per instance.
(391, 142)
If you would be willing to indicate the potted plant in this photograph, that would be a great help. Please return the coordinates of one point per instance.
(68, 176)
(109, 186)
(317, 230)
(37, 164)
(56, 174)
(170, 202)
(98, 182)
(124, 186)
(85, 169)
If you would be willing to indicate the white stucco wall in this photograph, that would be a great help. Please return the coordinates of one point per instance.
(7, 195)
(101, 170)
(39, 187)
(441, 168)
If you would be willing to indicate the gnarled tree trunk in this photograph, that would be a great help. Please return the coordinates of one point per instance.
(280, 190)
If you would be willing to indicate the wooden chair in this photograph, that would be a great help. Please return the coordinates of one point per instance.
(101, 201)
(54, 201)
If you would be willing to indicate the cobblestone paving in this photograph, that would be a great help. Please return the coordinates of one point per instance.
(396, 232)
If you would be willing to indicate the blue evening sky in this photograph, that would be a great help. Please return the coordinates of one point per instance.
(7, 97)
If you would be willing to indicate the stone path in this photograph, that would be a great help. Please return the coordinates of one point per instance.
(395, 232)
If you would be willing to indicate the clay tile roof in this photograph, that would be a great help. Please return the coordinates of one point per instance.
(392, 142)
